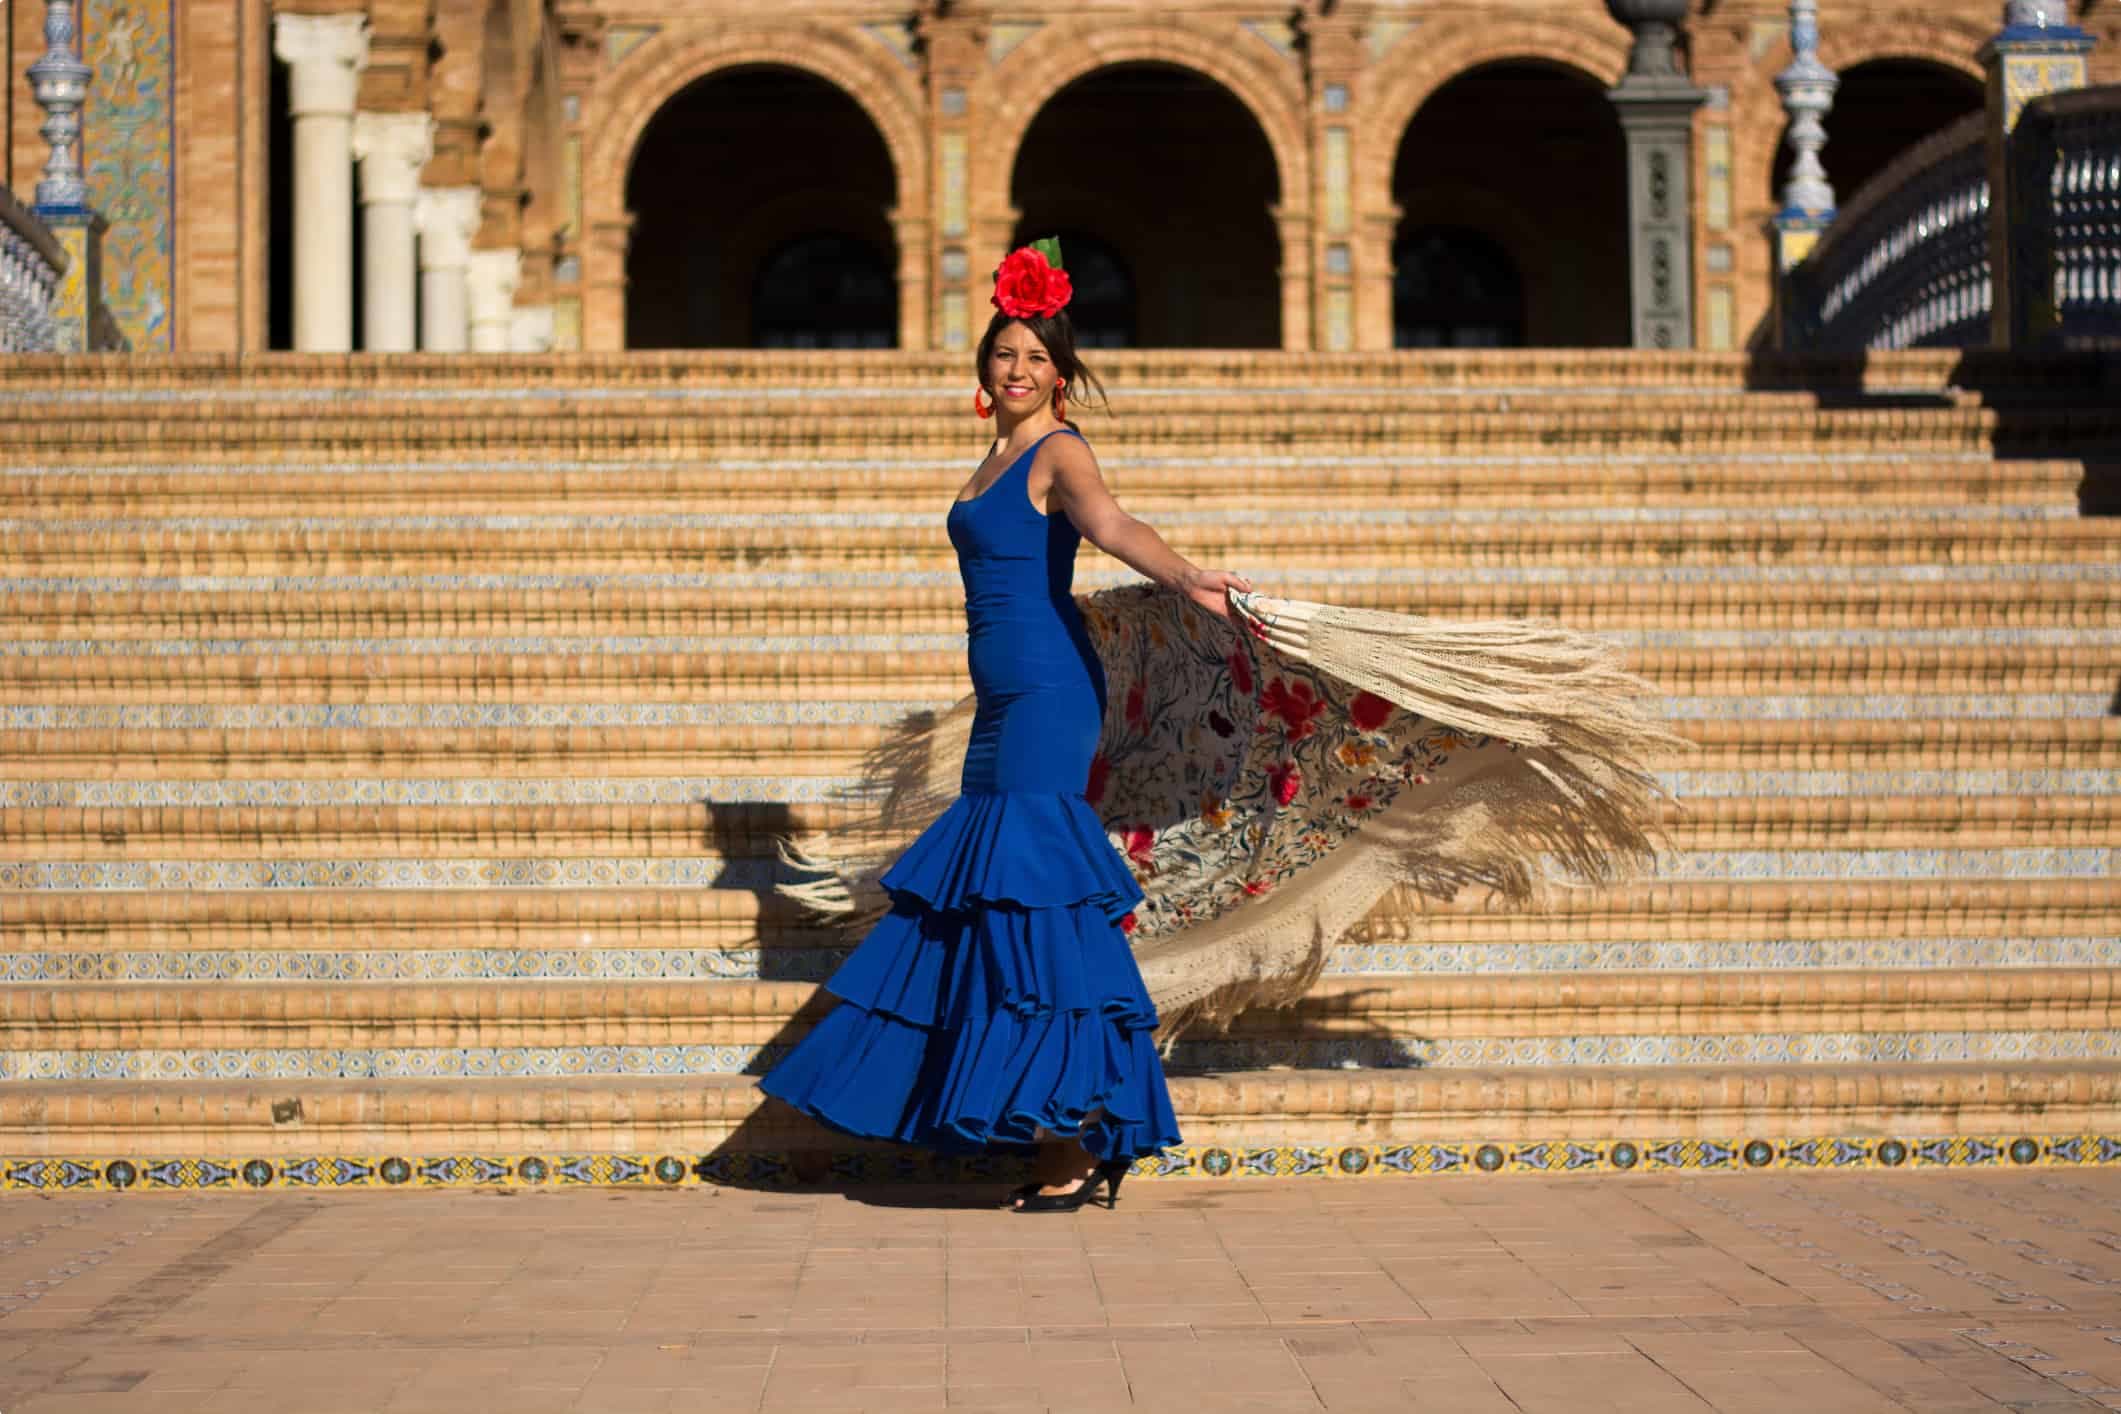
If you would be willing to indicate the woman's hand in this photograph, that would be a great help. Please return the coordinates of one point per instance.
(1209, 588)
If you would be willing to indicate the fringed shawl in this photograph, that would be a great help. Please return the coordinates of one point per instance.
(1272, 777)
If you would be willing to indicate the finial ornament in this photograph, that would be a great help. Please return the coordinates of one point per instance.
(1807, 88)
(59, 82)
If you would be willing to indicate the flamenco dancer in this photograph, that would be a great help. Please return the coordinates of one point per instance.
(1164, 803)
(998, 1001)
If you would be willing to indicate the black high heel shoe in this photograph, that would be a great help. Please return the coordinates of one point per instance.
(1106, 1176)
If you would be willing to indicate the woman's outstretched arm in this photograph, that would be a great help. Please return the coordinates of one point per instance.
(1079, 492)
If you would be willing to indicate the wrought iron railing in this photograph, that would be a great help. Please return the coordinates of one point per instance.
(31, 266)
(1905, 264)
(2066, 220)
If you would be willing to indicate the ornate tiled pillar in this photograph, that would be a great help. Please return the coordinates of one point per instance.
(324, 55)
(59, 81)
(391, 148)
(2037, 52)
(491, 281)
(1333, 54)
(1807, 88)
(1656, 104)
(448, 217)
(960, 249)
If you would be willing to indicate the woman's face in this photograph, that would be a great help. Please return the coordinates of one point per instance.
(1020, 373)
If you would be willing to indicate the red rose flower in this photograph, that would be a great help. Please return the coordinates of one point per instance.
(1140, 840)
(1100, 772)
(1028, 286)
(1126, 924)
(1358, 802)
(1295, 704)
(1369, 711)
(1285, 781)
(1137, 701)
(1256, 887)
(1241, 672)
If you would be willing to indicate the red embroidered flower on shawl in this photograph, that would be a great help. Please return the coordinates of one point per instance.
(1358, 802)
(1285, 781)
(1369, 711)
(1141, 845)
(1126, 924)
(1100, 773)
(1295, 704)
(1241, 672)
(1027, 286)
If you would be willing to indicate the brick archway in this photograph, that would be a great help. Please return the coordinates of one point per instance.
(1406, 79)
(1269, 87)
(627, 99)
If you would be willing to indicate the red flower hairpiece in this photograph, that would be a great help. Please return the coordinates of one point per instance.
(1031, 284)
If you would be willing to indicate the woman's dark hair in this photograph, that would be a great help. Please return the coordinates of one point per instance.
(1058, 335)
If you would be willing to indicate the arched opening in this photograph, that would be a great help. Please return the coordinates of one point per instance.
(1882, 107)
(1513, 178)
(1453, 288)
(761, 200)
(279, 211)
(1162, 186)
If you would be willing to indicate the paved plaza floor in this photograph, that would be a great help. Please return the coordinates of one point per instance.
(1815, 1293)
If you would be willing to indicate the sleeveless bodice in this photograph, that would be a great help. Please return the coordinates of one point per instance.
(1040, 687)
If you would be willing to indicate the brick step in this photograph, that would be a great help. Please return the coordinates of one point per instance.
(858, 674)
(670, 426)
(575, 921)
(232, 1121)
(492, 756)
(575, 544)
(700, 834)
(544, 488)
(112, 1016)
(1911, 370)
(2050, 595)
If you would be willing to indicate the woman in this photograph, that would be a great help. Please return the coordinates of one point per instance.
(997, 1002)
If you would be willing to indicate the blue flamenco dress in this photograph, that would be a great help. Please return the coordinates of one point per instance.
(998, 997)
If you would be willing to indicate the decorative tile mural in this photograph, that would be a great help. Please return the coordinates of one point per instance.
(129, 146)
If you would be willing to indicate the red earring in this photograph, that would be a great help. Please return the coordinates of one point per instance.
(985, 410)
(1060, 398)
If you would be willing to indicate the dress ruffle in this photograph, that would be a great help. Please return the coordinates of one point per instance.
(997, 999)
(1035, 850)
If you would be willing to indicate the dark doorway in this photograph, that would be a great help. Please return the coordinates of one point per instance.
(1163, 181)
(1881, 109)
(761, 200)
(1454, 289)
(1513, 176)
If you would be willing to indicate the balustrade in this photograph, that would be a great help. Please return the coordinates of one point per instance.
(2066, 220)
(31, 264)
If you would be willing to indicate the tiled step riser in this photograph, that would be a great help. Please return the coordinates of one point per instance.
(745, 839)
(2089, 602)
(101, 962)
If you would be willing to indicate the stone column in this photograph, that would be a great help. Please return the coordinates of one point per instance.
(492, 280)
(325, 55)
(2037, 52)
(447, 218)
(1656, 104)
(391, 148)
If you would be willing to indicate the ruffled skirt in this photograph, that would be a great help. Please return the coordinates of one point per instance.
(997, 999)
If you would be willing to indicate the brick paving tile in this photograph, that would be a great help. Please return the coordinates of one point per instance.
(1830, 1292)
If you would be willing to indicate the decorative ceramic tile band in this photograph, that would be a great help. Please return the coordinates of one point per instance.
(780, 467)
(375, 716)
(751, 964)
(760, 582)
(1193, 1055)
(1235, 1162)
(383, 716)
(737, 790)
(1452, 517)
(834, 644)
(716, 872)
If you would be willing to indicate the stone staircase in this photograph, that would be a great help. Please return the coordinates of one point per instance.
(391, 753)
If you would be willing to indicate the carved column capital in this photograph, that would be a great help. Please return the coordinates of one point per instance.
(325, 55)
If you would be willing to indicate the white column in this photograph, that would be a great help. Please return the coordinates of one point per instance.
(324, 55)
(391, 148)
(493, 277)
(531, 331)
(448, 217)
